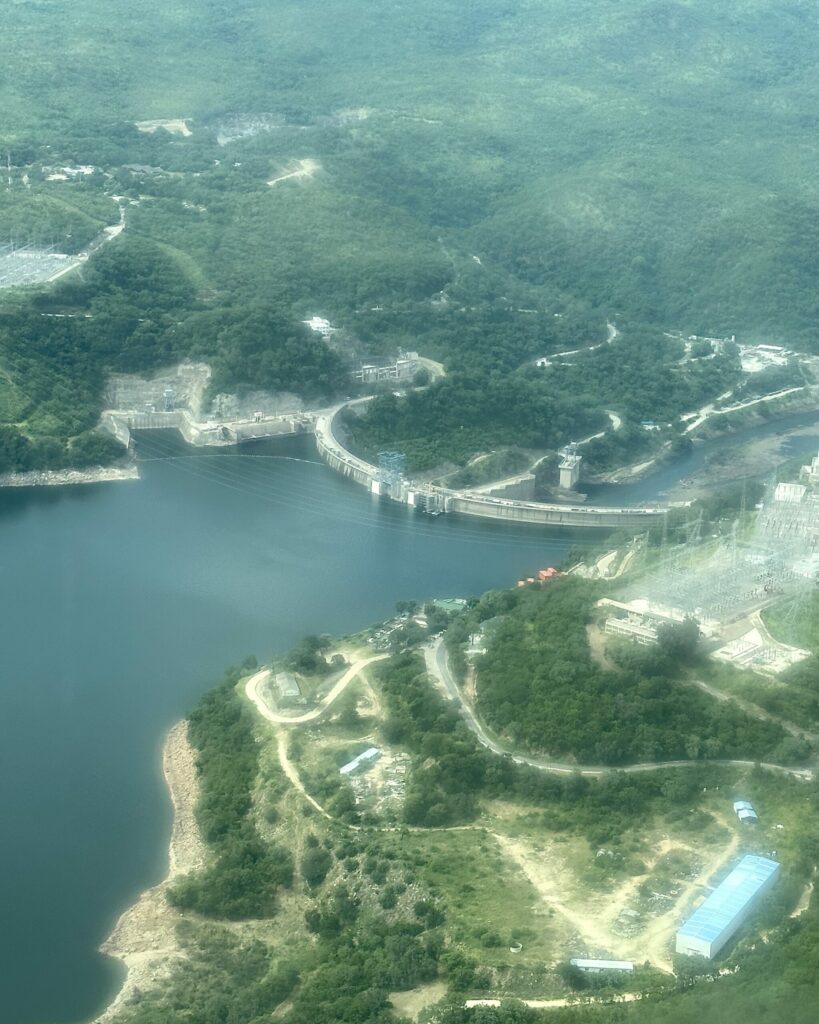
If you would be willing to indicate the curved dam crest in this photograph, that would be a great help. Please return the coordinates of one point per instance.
(468, 502)
(479, 502)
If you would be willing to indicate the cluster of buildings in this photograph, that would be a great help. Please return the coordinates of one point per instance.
(67, 173)
(373, 371)
(754, 358)
(543, 576)
(745, 812)
(402, 369)
(320, 326)
(640, 619)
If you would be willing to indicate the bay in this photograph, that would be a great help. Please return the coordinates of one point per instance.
(121, 604)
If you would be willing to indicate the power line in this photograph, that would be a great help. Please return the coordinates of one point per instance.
(222, 471)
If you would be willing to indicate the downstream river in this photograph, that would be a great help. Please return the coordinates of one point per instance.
(122, 604)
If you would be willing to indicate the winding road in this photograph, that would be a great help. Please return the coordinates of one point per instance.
(254, 684)
(437, 664)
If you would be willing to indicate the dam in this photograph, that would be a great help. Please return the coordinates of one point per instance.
(477, 502)
(121, 423)
(485, 502)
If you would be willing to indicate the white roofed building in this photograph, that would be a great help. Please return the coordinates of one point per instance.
(320, 326)
(793, 494)
(810, 474)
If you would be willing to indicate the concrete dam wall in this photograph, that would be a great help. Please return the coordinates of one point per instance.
(121, 423)
(337, 457)
(552, 515)
(472, 503)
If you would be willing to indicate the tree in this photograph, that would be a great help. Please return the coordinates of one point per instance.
(679, 640)
(315, 863)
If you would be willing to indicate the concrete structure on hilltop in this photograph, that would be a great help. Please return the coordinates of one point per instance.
(287, 688)
(716, 921)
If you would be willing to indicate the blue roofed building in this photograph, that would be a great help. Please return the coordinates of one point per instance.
(364, 760)
(714, 922)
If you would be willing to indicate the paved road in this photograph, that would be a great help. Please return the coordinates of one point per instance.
(438, 666)
(554, 1004)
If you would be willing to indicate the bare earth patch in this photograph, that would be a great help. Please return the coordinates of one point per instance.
(594, 915)
(144, 937)
(302, 169)
(174, 125)
(410, 1004)
(597, 648)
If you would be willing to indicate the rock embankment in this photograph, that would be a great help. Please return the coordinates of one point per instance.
(64, 477)
(144, 938)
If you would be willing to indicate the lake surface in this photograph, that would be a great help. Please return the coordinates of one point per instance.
(123, 602)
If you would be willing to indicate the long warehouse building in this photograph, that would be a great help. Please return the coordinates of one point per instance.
(714, 922)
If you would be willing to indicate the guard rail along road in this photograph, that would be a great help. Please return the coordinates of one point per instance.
(469, 503)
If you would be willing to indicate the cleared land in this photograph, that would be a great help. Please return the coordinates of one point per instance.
(304, 169)
(174, 125)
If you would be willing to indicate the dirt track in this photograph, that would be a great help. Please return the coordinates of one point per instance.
(553, 878)
(305, 169)
(252, 688)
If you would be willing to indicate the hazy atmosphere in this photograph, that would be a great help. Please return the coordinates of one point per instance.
(409, 507)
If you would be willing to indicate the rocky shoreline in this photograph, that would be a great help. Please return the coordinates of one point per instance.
(144, 938)
(66, 477)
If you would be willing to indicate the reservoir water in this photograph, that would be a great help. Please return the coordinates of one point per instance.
(122, 603)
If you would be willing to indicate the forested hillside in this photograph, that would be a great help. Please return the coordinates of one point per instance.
(348, 916)
(487, 183)
(538, 685)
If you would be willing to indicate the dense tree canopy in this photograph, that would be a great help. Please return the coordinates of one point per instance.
(538, 684)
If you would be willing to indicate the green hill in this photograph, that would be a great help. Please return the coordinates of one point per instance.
(478, 168)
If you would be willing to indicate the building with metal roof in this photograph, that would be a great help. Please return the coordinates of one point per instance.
(745, 811)
(714, 922)
(594, 966)
(364, 760)
(287, 687)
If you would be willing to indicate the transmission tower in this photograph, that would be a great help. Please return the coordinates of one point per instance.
(391, 467)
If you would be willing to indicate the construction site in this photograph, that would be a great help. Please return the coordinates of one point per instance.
(725, 582)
